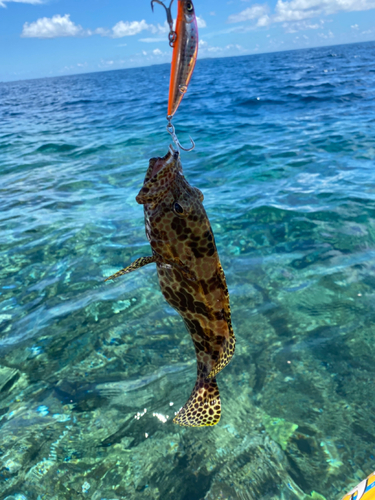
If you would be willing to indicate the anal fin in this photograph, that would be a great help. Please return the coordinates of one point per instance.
(203, 407)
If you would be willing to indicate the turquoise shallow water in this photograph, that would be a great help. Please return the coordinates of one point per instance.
(285, 158)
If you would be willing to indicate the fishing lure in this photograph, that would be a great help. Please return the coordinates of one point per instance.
(191, 278)
(184, 40)
(364, 490)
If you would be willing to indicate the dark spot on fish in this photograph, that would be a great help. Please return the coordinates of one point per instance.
(182, 299)
(219, 315)
(197, 254)
(201, 308)
(204, 287)
(197, 328)
(177, 275)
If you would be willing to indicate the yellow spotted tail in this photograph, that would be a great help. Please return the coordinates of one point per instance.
(203, 407)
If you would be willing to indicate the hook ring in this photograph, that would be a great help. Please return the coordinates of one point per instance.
(172, 37)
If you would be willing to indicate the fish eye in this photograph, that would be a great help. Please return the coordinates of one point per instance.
(189, 6)
(178, 208)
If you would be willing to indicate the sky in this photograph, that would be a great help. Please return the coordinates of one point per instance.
(41, 38)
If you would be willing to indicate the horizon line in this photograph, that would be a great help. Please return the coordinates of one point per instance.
(202, 59)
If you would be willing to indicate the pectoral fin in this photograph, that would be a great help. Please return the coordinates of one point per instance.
(143, 261)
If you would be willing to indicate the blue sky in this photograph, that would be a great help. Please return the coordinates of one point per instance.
(41, 38)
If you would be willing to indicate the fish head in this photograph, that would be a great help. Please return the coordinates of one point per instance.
(188, 10)
(177, 225)
(165, 187)
(160, 179)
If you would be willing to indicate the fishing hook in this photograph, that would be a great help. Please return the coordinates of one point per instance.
(172, 36)
(172, 132)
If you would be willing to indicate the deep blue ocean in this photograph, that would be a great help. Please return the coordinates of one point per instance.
(91, 373)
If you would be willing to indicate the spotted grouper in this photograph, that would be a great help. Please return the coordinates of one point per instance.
(191, 278)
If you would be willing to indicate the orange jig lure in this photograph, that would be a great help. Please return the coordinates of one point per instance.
(184, 40)
(185, 52)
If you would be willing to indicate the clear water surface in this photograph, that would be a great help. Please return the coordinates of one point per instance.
(91, 373)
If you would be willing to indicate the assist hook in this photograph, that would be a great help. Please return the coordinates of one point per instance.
(171, 130)
(172, 37)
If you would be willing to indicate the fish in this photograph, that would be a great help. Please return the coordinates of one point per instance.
(191, 278)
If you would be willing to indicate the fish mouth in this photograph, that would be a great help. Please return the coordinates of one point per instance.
(167, 161)
(160, 174)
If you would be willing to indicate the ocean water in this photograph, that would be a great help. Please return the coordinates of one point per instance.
(91, 373)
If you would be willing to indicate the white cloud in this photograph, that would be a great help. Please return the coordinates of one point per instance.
(326, 36)
(157, 52)
(32, 2)
(206, 49)
(54, 27)
(201, 22)
(130, 28)
(127, 28)
(59, 26)
(254, 12)
(102, 32)
(354, 26)
(264, 21)
(296, 10)
(302, 26)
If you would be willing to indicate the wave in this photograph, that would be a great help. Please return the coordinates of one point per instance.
(55, 148)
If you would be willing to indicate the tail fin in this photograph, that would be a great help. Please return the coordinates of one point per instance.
(203, 407)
